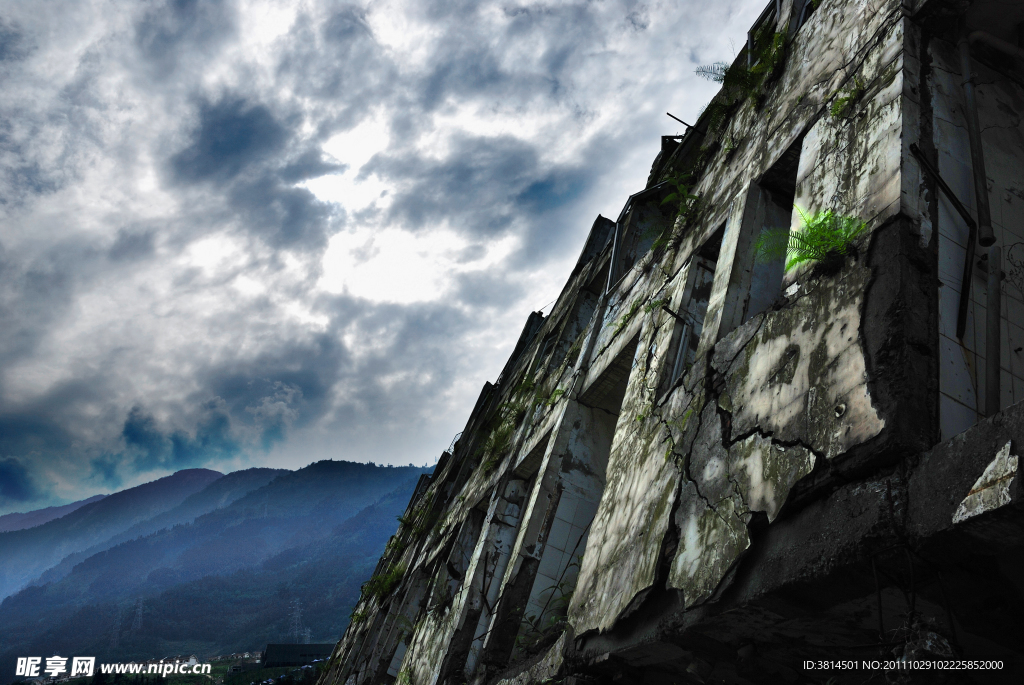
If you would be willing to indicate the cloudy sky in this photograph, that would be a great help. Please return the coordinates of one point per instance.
(267, 232)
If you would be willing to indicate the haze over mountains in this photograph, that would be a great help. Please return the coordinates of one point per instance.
(199, 562)
(27, 553)
(217, 494)
(17, 521)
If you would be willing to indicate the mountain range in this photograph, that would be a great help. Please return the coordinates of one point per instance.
(28, 552)
(38, 517)
(200, 562)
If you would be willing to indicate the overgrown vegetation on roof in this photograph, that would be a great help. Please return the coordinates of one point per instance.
(741, 83)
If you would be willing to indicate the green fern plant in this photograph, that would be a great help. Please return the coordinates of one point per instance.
(826, 237)
(740, 82)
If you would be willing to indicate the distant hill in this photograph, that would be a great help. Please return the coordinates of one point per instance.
(24, 554)
(30, 519)
(216, 495)
(226, 581)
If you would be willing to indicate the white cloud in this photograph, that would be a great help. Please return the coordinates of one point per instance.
(392, 265)
(385, 301)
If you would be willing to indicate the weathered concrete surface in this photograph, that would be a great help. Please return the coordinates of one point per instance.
(626, 536)
(803, 377)
(544, 670)
(781, 498)
(807, 588)
(726, 488)
(766, 471)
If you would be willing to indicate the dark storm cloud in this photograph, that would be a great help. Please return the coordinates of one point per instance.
(487, 187)
(211, 441)
(553, 191)
(232, 135)
(475, 68)
(483, 184)
(252, 403)
(310, 164)
(23, 178)
(29, 431)
(337, 61)
(296, 377)
(12, 42)
(486, 289)
(37, 292)
(346, 28)
(467, 68)
(15, 484)
(150, 447)
(131, 245)
(40, 431)
(141, 433)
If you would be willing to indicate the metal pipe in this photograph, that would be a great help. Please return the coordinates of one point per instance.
(972, 236)
(992, 333)
(997, 43)
(985, 235)
(613, 263)
(688, 126)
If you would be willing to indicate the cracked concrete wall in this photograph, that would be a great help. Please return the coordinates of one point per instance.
(801, 377)
(830, 374)
(632, 518)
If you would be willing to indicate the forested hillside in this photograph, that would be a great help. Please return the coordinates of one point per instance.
(232, 579)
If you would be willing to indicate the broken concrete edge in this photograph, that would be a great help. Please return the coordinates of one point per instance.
(910, 507)
(883, 450)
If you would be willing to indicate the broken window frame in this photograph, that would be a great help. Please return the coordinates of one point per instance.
(626, 252)
(685, 317)
(576, 322)
(801, 15)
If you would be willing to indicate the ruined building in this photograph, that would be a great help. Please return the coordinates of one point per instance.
(713, 461)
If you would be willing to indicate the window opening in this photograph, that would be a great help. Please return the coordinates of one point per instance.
(545, 349)
(802, 11)
(575, 326)
(777, 190)
(700, 280)
(552, 578)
